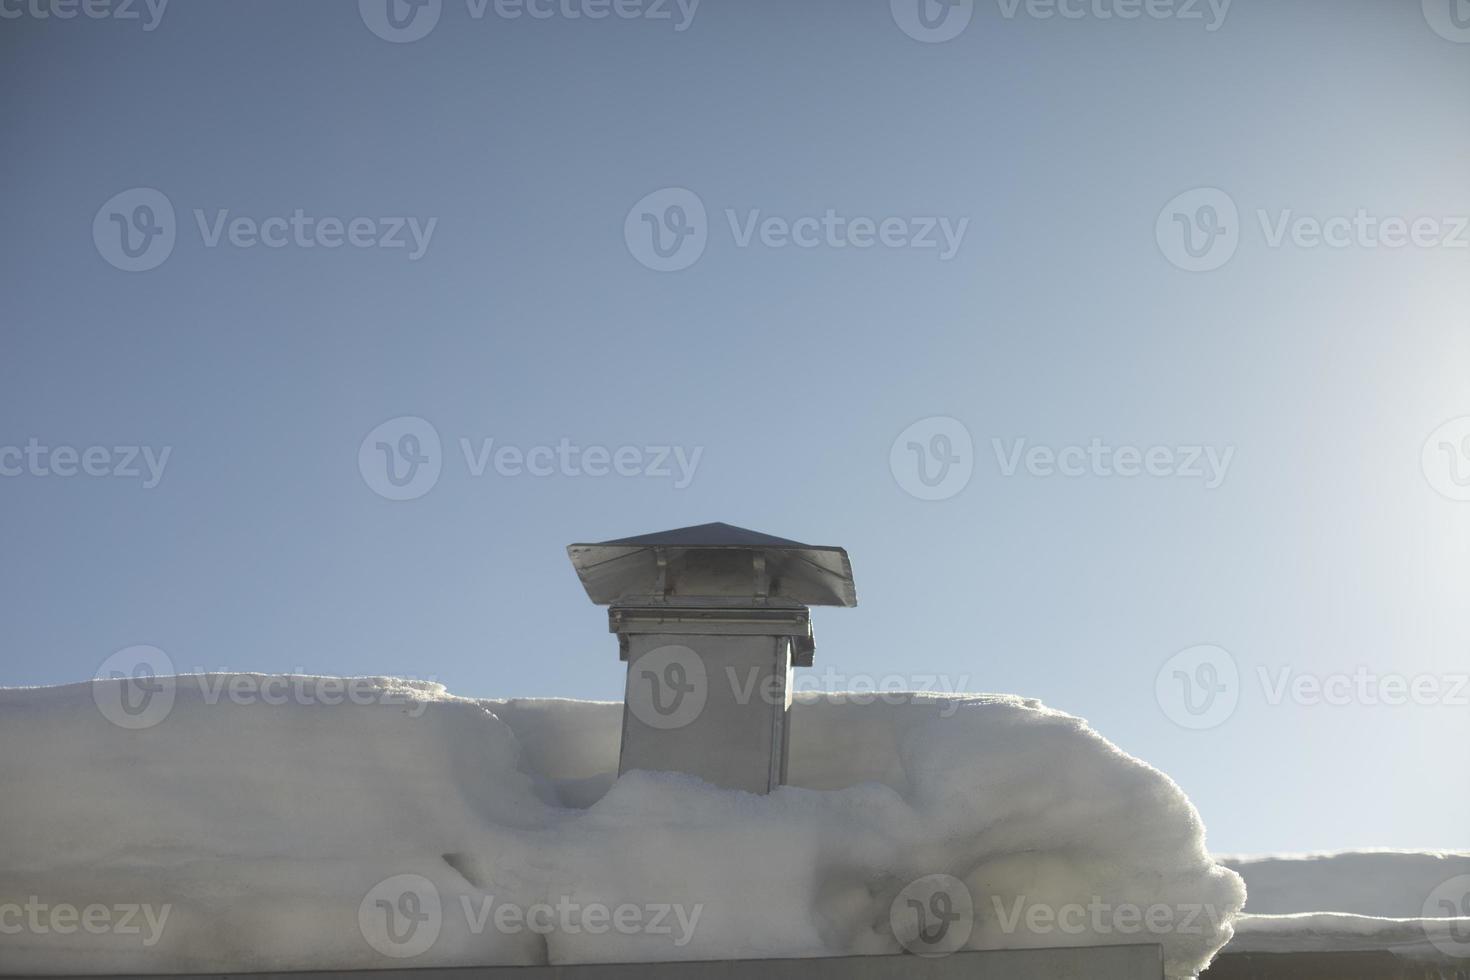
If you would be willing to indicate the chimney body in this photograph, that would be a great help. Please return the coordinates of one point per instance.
(710, 620)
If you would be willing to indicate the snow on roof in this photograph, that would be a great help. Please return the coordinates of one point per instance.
(270, 823)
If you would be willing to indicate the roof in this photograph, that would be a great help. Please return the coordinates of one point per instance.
(715, 535)
(709, 561)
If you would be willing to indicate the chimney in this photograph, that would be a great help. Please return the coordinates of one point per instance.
(710, 620)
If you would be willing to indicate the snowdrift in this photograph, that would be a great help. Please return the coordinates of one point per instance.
(422, 829)
(1413, 904)
(1385, 884)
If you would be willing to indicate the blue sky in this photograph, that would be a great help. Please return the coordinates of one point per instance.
(366, 229)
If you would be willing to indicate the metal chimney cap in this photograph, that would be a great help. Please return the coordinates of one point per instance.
(709, 561)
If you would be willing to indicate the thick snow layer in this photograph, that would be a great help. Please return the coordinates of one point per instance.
(1415, 904)
(1388, 884)
(410, 827)
(1434, 940)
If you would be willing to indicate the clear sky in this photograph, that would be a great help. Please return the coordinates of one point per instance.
(1005, 252)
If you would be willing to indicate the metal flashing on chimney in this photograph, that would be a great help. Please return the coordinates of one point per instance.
(714, 561)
